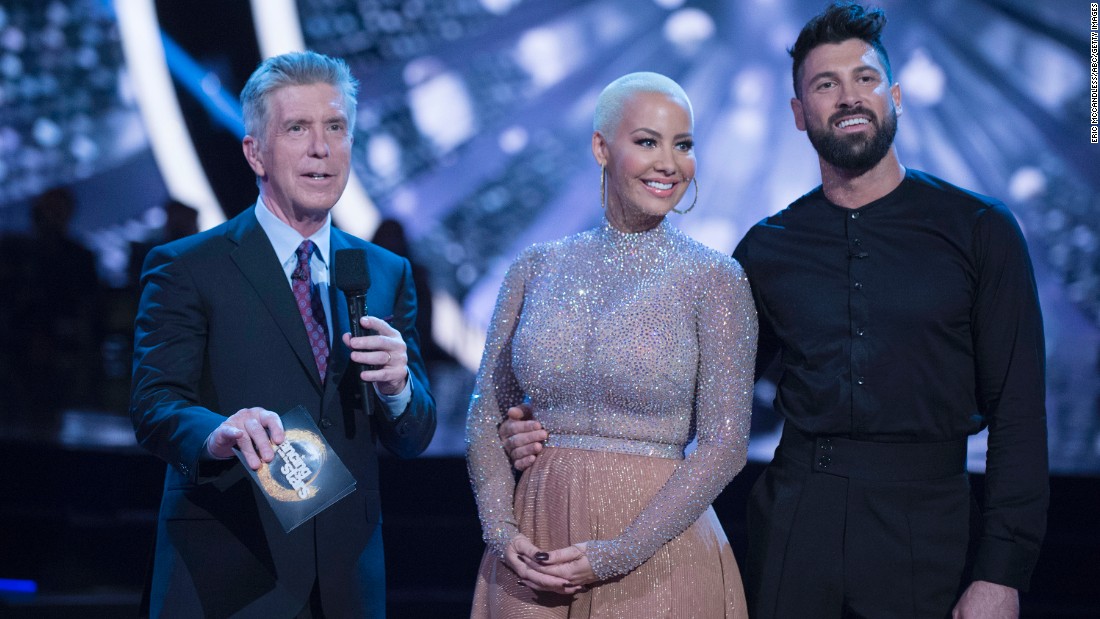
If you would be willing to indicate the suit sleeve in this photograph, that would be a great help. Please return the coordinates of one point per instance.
(170, 335)
(409, 433)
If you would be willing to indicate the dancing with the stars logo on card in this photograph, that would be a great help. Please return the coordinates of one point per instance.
(297, 465)
(306, 476)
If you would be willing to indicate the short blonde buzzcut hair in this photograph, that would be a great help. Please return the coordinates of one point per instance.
(609, 106)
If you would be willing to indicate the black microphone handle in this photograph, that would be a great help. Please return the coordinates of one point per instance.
(357, 308)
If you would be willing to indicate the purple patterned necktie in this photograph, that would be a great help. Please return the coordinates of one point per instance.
(309, 306)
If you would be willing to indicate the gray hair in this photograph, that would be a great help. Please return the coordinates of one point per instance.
(609, 107)
(294, 69)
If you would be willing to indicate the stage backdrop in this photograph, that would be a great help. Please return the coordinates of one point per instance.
(474, 127)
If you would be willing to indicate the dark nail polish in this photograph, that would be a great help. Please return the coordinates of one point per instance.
(541, 556)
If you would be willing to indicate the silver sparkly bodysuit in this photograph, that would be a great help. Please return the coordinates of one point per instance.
(634, 343)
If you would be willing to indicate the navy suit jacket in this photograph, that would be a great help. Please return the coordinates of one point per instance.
(218, 330)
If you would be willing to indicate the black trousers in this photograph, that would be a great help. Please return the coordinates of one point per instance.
(844, 528)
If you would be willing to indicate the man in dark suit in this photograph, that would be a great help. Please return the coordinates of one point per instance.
(239, 323)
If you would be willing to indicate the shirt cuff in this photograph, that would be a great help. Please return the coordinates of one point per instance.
(396, 404)
(1004, 563)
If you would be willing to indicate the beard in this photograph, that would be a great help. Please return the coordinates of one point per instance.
(857, 153)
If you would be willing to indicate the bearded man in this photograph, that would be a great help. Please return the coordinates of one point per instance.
(905, 317)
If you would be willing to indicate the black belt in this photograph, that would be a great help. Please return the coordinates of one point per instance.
(875, 461)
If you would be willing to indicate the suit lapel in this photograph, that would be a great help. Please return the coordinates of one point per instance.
(339, 357)
(256, 259)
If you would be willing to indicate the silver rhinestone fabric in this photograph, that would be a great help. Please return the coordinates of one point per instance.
(617, 338)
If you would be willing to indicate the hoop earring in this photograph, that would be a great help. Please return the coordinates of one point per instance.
(688, 209)
(603, 186)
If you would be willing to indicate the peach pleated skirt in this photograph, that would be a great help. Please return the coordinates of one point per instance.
(576, 495)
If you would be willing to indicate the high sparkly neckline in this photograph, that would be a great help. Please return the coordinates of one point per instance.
(634, 240)
(662, 225)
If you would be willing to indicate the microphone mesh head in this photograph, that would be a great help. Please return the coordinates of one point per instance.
(350, 271)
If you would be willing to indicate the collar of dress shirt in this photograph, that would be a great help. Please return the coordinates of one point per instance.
(285, 240)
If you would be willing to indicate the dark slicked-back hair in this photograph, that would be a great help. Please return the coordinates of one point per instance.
(838, 23)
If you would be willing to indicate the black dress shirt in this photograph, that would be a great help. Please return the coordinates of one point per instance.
(914, 318)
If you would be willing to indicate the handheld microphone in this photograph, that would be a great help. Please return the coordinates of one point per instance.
(353, 278)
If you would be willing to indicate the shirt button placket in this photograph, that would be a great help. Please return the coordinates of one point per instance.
(858, 258)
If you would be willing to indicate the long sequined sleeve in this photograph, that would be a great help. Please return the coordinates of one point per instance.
(496, 390)
(726, 333)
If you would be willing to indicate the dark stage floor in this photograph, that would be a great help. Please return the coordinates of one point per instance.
(80, 522)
